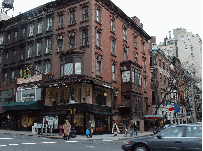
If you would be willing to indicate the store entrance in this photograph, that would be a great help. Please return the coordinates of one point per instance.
(102, 125)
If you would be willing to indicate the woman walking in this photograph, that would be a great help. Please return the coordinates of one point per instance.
(67, 128)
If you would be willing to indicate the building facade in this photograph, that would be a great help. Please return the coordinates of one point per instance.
(83, 57)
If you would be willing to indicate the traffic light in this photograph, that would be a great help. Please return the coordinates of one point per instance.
(25, 74)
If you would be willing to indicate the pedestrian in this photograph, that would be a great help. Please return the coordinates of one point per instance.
(115, 129)
(132, 127)
(91, 130)
(67, 128)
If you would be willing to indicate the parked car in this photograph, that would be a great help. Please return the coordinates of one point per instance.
(184, 137)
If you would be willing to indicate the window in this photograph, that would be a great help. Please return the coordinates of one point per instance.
(23, 33)
(39, 49)
(38, 69)
(136, 57)
(113, 46)
(62, 70)
(135, 41)
(7, 54)
(29, 52)
(163, 65)
(9, 38)
(72, 40)
(124, 34)
(78, 65)
(125, 53)
(113, 26)
(40, 27)
(85, 13)
(98, 39)
(72, 17)
(151, 75)
(99, 61)
(60, 43)
(49, 46)
(159, 62)
(173, 132)
(5, 77)
(49, 23)
(21, 73)
(133, 75)
(1, 40)
(12, 74)
(16, 36)
(84, 37)
(143, 47)
(98, 13)
(126, 76)
(114, 72)
(68, 66)
(145, 84)
(47, 67)
(194, 131)
(144, 65)
(31, 30)
(14, 54)
(60, 21)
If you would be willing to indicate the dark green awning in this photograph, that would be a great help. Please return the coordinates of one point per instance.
(23, 105)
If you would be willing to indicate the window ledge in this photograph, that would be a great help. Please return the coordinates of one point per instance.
(59, 28)
(47, 53)
(143, 52)
(98, 47)
(100, 23)
(113, 81)
(38, 34)
(31, 36)
(135, 47)
(38, 56)
(72, 24)
(113, 54)
(85, 46)
(83, 21)
(125, 41)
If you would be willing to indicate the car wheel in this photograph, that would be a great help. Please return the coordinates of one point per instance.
(140, 147)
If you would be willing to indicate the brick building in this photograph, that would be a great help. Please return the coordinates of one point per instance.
(98, 60)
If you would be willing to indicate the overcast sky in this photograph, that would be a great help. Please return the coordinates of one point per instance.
(158, 16)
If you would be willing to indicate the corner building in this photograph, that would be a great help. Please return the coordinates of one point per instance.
(100, 67)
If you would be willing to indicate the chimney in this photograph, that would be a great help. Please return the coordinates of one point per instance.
(169, 34)
(136, 20)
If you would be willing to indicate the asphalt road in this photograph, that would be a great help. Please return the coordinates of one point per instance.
(10, 142)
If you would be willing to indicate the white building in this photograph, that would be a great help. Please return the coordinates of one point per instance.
(4, 17)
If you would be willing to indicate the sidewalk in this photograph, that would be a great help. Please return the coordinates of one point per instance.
(104, 137)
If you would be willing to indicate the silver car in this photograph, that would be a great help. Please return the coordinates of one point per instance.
(183, 137)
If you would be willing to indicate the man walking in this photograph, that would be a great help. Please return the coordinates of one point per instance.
(132, 127)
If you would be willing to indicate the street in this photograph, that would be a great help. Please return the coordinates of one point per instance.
(10, 142)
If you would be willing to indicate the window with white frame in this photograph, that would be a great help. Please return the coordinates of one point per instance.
(60, 21)
(47, 67)
(68, 67)
(72, 17)
(39, 49)
(132, 75)
(124, 34)
(49, 23)
(113, 46)
(31, 30)
(40, 25)
(49, 46)
(113, 72)
(84, 37)
(98, 15)
(29, 52)
(85, 13)
(125, 53)
(98, 36)
(126, 76)
(113, 25)
(9, 39)
(61, 69)
(99, 62)
(16, 35)
(72, 40)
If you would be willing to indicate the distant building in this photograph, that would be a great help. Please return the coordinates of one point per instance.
(4, 17)
(188, 48)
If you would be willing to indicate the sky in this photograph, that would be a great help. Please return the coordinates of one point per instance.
(157, 16)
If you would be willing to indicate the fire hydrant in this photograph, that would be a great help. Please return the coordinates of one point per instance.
(60, 130)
